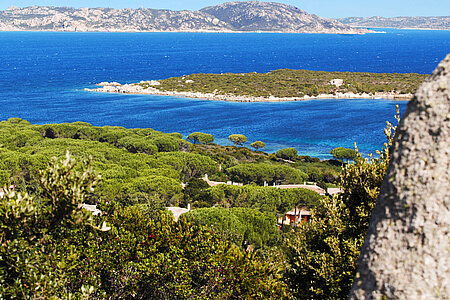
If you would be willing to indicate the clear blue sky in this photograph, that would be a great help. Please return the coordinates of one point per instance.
(323, 8)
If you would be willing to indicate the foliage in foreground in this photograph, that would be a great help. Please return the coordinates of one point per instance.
(51, 249)
(323, 254)
(30, 266)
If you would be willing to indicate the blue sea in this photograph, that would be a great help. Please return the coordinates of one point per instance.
(43, 76)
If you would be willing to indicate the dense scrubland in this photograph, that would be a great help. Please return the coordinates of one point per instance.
(228, 246)
(287, 83)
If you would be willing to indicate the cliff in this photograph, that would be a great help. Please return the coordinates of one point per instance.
(228, 17)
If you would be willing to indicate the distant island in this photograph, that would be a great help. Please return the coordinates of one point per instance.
(278, 85)
(435, 23)
(251, 16)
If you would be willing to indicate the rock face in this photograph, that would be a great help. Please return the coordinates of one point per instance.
(234, 16)
(406, 254)
(438, 23)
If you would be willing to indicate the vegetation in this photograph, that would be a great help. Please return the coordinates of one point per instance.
(265, 199)
(293, 83)
(261, 173)
(200, 137)
(237, 139)
(287, 153)
(258, 145)
(51, 249)
(229, 246)
(341, 153)
(245, 227)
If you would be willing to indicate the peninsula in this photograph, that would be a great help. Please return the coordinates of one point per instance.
(278, 85)
(247, 16)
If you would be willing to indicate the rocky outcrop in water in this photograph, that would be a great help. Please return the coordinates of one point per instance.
(406, 254)
(228, 17)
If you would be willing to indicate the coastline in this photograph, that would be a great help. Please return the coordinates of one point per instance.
(115, 87)
(356, 31)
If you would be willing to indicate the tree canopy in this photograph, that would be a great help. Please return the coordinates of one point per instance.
(343, 153)
(287, 153)
(200, 137)
(258, 145)
(237, 139)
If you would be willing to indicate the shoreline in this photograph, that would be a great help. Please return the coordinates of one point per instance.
(115, 87)
(359, 31)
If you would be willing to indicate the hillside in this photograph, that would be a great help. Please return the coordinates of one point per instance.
(228, 17)
(437, 23)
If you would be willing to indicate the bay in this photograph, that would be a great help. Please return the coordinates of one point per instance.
(43, 76)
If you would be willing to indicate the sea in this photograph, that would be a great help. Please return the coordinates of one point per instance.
(43, 76)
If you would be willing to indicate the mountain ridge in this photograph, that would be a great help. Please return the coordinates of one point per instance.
(247, 16)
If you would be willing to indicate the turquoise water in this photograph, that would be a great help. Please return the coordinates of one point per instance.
(43, 74)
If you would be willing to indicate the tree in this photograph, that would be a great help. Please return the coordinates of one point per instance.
(195, 192)
(30, 265)
(200, 137)
(258, 145)
(242, 226)
(341, 153)
(237, 139)
(287, 153)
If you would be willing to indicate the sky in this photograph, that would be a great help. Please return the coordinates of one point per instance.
(322, 8)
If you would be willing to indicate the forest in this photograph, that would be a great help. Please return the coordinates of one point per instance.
(228, 246)
(288, 83)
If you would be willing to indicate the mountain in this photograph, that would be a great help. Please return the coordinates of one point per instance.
(107, 19)
(439, 23)
(227, 17)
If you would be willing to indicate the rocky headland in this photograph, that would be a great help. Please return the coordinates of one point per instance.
(251, 16)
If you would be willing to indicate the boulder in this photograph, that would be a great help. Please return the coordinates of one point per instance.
(406, 253)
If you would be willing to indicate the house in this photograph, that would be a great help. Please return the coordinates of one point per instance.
(92, 208)
(337, 82)
(295, 216)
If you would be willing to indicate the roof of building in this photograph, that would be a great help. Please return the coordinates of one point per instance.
(300, 211)
(314, 188)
